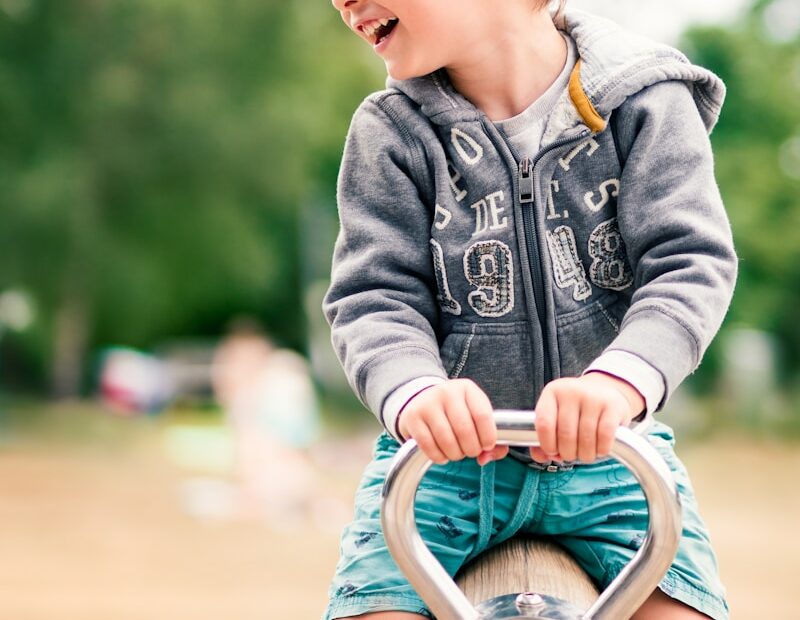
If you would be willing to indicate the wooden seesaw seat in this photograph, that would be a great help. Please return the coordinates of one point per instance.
(525, 564)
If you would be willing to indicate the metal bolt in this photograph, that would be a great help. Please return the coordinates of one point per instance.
(529, 600)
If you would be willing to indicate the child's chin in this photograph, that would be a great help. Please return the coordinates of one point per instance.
(399, 72)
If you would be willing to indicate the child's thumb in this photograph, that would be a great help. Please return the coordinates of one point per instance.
(495, 454)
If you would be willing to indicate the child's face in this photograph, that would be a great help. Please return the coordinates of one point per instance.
(416, 37)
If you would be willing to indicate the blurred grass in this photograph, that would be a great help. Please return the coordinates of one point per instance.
(90, 425)
(83, 424)
(91, 514)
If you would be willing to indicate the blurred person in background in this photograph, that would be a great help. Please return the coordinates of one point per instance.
(271, 406)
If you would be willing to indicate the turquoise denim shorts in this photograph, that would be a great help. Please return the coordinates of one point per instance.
(597, 512)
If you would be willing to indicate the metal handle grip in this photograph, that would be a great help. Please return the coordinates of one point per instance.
(619, 600)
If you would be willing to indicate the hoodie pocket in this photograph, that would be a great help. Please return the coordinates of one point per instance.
(584, 334)
(496, 356)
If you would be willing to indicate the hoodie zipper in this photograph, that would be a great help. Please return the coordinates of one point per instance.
(528, 182)
(525, 182)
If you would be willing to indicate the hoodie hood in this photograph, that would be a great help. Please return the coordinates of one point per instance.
(613, 65)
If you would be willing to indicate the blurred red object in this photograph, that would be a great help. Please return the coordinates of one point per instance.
(134, 382)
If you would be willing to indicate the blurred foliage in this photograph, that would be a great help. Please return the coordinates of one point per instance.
(157, 160)
(153, 158)
(757, 150)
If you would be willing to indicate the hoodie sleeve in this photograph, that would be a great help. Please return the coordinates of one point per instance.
(381, 303)
(677, 235)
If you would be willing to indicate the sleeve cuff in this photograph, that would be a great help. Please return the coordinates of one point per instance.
(640, 374)
(399, 398)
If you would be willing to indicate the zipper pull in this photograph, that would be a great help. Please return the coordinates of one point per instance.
(525, 181)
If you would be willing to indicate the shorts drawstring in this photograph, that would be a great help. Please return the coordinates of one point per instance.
(485, 508)
(525, 503)
(523, 508)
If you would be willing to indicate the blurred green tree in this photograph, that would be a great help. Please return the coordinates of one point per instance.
(153, 158)
(757, 150)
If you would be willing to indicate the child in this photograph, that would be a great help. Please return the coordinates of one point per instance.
(529, 218)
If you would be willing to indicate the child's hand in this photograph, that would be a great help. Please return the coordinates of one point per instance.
(576, 418)
(452, 420)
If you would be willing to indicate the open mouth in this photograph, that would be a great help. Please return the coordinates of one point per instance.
(378, 30)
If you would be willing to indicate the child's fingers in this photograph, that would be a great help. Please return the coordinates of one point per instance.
(482, 415)
(610, 421)
(500, 452)
(587, 432)
(567, 428)
(538, 455)
(460, 418)
(495, 454)
(546, 409)
(439, 425)
(422, 435)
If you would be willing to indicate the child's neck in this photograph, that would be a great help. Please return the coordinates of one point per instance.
(512, 68)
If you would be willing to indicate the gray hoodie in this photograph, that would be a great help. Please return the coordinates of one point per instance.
(457, 257)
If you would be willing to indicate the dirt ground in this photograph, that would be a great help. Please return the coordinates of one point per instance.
(100, 533)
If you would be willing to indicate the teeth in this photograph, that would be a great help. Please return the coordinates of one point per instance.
(370, 28)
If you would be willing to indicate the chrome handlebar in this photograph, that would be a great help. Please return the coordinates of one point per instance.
(622, 597)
